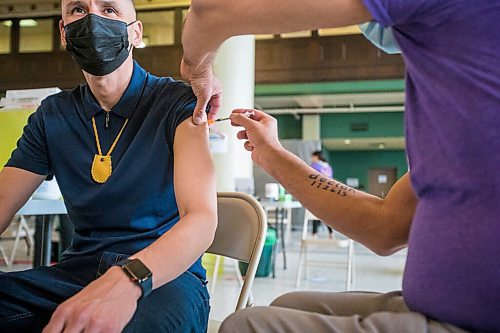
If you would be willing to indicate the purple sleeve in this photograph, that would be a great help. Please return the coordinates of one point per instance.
(316, 166)
(405, 12)
(330, 171)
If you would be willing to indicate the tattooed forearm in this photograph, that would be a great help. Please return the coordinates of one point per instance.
(329, 185)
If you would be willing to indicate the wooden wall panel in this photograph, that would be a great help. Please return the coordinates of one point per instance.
(324, 59)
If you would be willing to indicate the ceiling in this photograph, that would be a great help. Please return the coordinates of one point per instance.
(349, 102)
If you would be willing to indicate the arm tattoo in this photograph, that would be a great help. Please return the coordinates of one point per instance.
(329, 185)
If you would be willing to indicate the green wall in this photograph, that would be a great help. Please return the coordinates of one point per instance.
(334, 87)
(289, 127)
(338, 125)
(355, 164)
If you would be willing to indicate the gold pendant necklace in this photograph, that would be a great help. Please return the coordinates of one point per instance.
(101, 165)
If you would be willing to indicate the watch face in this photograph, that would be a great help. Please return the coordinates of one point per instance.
(138, 270)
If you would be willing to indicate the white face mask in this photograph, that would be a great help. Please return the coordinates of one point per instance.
(381, 37)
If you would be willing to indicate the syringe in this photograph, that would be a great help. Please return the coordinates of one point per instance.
(211, 121)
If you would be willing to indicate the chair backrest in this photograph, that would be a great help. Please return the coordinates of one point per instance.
(240, 234)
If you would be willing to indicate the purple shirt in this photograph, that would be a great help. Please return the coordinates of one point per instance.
(452, 54)
(323, 168)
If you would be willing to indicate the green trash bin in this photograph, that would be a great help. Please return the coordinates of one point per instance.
(264, 267)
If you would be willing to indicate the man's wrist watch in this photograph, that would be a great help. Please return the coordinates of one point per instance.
(138, 273)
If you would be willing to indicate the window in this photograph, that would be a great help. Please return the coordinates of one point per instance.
(264, 36)
(5, 36)
(35, 35)
(298, 34)
(184, 14)
(349, 30)
(159, 27)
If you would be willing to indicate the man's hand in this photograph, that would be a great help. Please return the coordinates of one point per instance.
(261, 133)
(105, 305)
(206, 87)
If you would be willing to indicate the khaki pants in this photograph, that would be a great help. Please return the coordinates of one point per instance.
(352, 312)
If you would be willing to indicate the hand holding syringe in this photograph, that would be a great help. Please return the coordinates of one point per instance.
(258, 130)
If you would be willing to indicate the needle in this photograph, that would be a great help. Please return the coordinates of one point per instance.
(211, 121)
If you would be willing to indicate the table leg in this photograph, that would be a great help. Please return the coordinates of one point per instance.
(273, 259)
(43, 240)
(280, 226)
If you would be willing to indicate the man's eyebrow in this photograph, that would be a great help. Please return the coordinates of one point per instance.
(75, 3)
(110, 3)
(103, 3)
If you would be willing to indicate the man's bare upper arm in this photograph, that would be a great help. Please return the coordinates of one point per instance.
(401, 199)
(399, 207)
(194, 172)
(229, 18)
(16, 186)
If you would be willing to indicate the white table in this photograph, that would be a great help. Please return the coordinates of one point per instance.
(43, 209)
(280, 207)
(266, 203)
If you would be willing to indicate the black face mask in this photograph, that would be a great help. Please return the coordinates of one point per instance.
(97, 44)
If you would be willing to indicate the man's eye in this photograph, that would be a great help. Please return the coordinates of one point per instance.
(78, 10)
(110, 11)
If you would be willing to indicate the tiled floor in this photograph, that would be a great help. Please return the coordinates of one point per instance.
(372, 273)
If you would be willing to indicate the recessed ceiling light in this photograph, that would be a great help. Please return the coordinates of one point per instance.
(347, 141)
(28, 23)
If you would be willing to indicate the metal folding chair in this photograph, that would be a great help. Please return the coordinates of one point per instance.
(240, 235)
(307, 241)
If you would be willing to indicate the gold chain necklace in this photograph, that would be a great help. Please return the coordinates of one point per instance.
(101, 165)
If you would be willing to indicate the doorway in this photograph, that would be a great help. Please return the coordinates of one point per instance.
(380, 180)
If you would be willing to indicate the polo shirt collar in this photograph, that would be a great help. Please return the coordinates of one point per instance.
(127, 102)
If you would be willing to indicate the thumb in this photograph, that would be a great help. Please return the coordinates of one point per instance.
(199, 115)
(239, 119)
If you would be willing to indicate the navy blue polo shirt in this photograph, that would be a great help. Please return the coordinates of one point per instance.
(137, 204)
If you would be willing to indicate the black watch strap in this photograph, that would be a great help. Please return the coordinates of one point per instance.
(138, 273)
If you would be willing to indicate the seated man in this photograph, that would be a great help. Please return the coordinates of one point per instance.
(142, 218)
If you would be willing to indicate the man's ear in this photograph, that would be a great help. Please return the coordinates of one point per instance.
(62, 33)
(136, 34)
